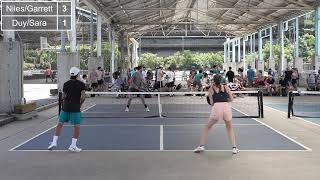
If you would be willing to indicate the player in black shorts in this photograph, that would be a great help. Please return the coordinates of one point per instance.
(136, 85)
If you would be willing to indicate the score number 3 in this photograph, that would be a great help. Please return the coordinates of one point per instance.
(64, 8)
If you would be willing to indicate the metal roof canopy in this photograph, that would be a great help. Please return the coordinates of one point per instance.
(196, 17)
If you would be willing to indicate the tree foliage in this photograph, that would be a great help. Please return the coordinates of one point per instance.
(182, 61)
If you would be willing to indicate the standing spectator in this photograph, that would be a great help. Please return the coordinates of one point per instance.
(159, 78)
(170, 77)
(48, 74)
(144, 73)
(295, 78)
(93, 79)
(197, 80)
(191, 79)
(250, 76)
(230, 75)
(288, 77)
(100, 78)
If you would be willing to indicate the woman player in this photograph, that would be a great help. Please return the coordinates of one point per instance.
(219, 95)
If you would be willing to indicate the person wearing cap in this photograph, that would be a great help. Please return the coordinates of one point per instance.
(73, 97)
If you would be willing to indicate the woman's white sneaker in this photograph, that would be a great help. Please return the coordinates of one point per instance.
(199, 149)
(235, 150)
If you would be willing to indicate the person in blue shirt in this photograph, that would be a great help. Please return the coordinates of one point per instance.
(250, 76)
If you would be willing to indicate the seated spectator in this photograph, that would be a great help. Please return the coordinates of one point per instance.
(283, 86)
(270, 85)
(259, 80)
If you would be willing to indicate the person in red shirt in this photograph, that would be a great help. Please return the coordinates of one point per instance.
(48, 74)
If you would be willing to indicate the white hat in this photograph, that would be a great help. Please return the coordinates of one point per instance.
(74, 71)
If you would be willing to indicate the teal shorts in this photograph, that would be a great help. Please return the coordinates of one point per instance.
(74, 118)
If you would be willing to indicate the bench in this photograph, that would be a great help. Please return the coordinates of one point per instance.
(25, 111)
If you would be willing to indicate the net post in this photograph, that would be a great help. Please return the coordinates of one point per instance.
(159, 105)
(261, 104)
(290, 104)
(60, 101)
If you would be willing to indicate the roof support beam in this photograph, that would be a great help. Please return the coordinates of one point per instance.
(212, 8)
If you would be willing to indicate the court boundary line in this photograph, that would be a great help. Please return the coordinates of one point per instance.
(300, 118)
(28, 140)
(151, 125)
(224, 150)
(279, 132)
(45, 131)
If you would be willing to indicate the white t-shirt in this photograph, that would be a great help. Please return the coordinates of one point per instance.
(159, 75)
(100, 73)
(170, 75)
(144, 74)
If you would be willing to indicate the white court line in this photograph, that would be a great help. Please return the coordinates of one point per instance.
(12, 149)
(168, 125)
(161, 138)
(295, 141)
(86, 109)
(241, 150)
(310, 122)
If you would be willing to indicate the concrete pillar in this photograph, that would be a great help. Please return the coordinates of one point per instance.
(63, 42)
(139, 47)
(239, 50)
(122, 54)
(112, 45)
(11, 76)
(317, 55)
(73, 42)
(99, 36)
(64, 62)
(8, 35)
(244, 53)
(233, 51)
(271, 60)
(251, 50)
(260, 53)
(298, 61)
(67, 60)
(283, 61)
(91, 34)
(228, 46)
(225, 52)
(254, 52)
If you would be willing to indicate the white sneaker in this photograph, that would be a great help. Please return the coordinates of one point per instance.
(235, 150)
(147, 109)
(52, 146)
(74, 149)
(199, 149)
(127, 109)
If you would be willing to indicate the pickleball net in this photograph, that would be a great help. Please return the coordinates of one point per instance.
(246, 104)
(304, 104)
